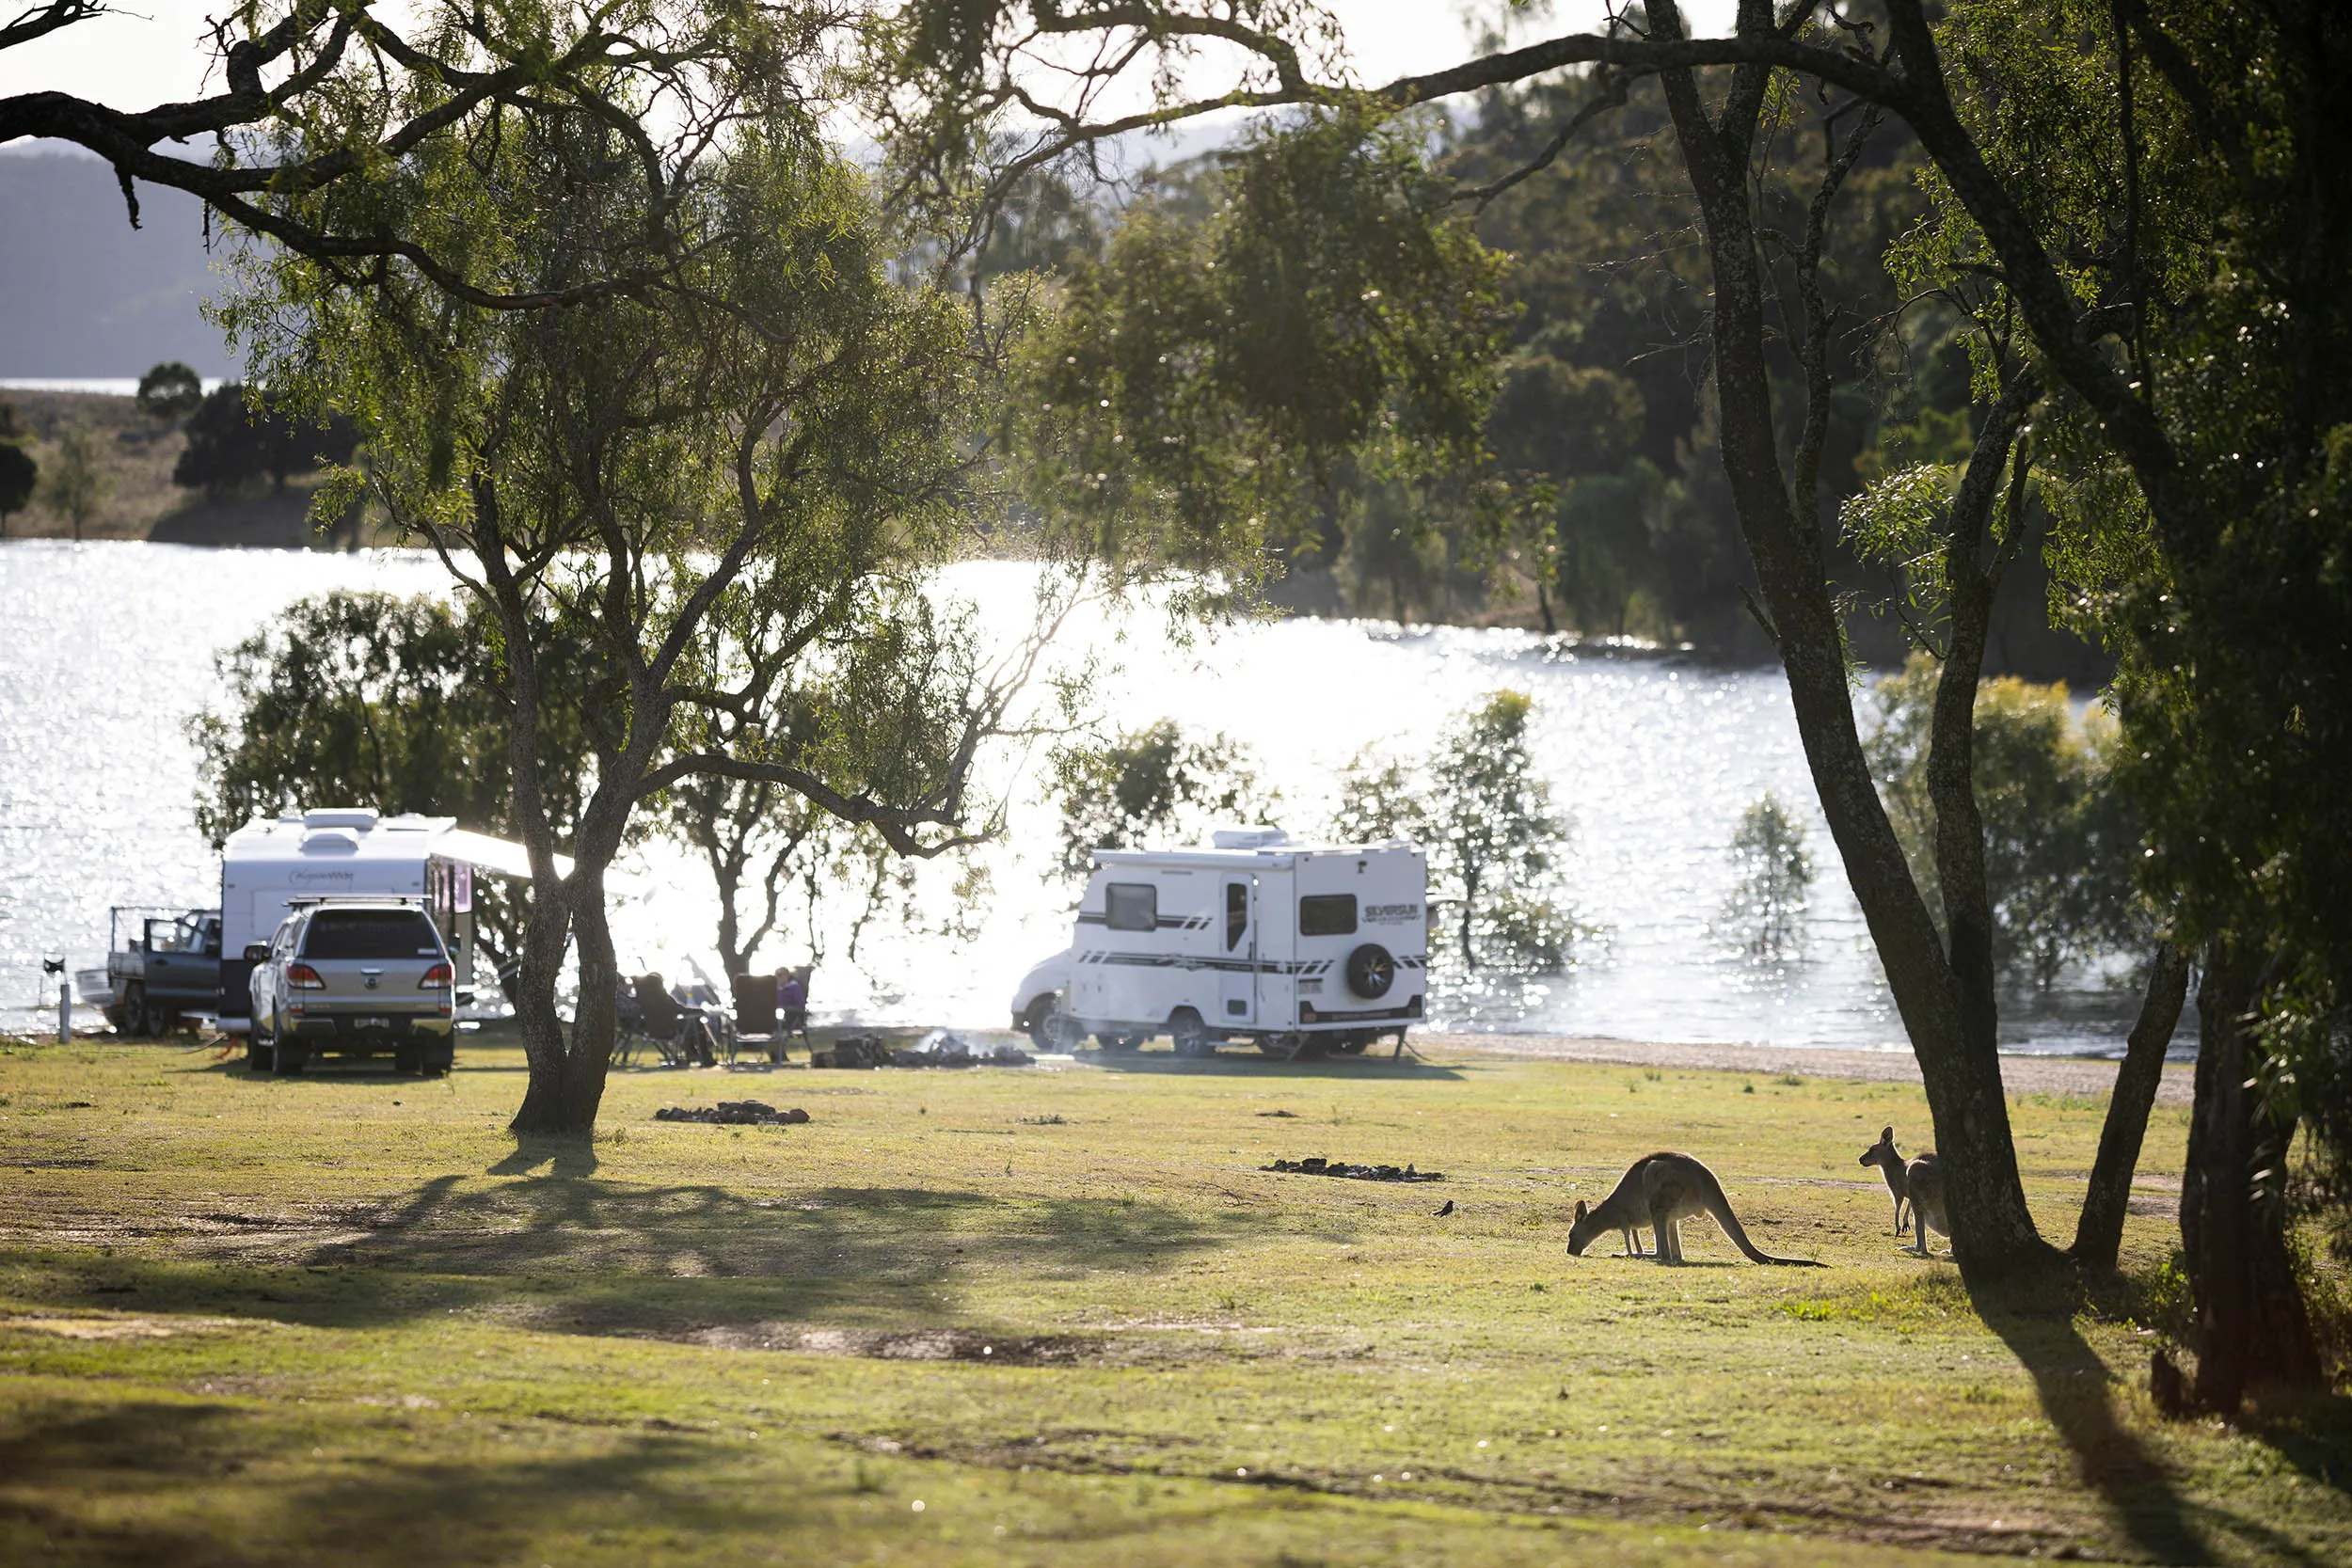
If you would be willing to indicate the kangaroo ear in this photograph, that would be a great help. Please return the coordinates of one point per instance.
(1580, 1209)
(1886, 1134)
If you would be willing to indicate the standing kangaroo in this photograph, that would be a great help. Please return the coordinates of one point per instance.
(1923, 1182)
(1662, 1191)
(1882, 1155)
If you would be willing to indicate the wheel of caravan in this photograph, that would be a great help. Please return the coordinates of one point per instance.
(1189, 1035)
(1356, 1041)
(1050, 1029)
(1276, 1046)
(1371, 970)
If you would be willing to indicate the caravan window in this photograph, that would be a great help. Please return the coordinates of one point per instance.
(1131, 906)
(1327, 915)
(1236, 914)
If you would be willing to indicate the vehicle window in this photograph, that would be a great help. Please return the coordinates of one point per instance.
(1131, 906)
(369, 934)
(212, 939)
(1327, 915)
(1236, 914)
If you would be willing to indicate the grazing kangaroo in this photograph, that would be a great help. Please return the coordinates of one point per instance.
(1662, 1191)
(1923, 1181)
(1882, 1155)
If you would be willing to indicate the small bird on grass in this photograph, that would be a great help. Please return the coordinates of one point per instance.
(1447, 1210)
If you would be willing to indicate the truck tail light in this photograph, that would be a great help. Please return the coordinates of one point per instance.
(437, 978)
(303, 978)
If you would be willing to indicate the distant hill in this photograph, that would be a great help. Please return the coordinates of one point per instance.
(82, 293)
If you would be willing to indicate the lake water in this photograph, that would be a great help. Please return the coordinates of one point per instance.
(107, 649)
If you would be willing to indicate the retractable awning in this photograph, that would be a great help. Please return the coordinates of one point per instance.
(484, 853)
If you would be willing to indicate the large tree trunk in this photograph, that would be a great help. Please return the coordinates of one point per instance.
(2099, 1234)
(2251, 1323)
(1992, 1228)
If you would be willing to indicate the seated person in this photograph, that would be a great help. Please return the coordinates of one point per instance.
(792, 1004)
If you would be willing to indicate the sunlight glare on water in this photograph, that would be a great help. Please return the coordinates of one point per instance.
(107, 649)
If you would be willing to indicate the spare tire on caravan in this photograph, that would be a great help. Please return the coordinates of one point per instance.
(1298, 949)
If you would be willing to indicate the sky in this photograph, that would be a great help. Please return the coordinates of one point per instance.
(158, 51)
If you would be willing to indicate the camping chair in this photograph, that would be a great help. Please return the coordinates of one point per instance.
(683, 1037)
(755, 1013)
(629, 1023)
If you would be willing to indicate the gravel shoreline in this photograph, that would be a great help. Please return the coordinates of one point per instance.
(2021, 1074)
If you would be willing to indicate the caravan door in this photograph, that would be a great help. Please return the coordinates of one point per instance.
(1237, 964)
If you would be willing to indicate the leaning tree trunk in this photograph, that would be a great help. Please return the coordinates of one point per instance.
(2099, 1234)
(2251, 1323)
(1992, 1228)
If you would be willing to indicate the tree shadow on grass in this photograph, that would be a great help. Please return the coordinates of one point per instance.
(596, 1257)
(169, 1482)
(2077, 1394)
(566, 1158)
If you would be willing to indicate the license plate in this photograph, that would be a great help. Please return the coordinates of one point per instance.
(371, 1024)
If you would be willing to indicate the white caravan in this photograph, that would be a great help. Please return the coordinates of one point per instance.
(1296, 949)
(271, 862)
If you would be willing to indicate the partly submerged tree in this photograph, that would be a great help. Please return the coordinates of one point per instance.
(1153, 788)
(1486, 817)
(1767, 907)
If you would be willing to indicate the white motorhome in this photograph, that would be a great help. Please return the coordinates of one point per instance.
(272, 862)
(1296, 949)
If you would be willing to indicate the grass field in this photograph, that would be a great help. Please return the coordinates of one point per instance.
(1059, 1316)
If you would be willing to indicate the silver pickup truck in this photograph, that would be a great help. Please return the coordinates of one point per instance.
(353, 977)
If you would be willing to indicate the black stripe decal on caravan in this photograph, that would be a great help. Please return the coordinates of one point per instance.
(1166, 922)
(1235, 966)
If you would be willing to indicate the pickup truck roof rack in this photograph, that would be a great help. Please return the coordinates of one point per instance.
(387, 900)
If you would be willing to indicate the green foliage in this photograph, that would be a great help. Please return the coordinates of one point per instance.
(235, 439)
(1486, 820)
(1211, 386)
(19, 475)
(170, 391)
(369, 700)
(1607, 394)
(2217, 573)
(2061, 849)
(782, 397)
(1153, 788)
(78, 479)
(1768, 907)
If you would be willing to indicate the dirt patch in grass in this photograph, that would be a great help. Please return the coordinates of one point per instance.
(86, 1327)
(918, 1344)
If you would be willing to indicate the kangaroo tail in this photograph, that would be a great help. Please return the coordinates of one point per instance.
(1720, 1206)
